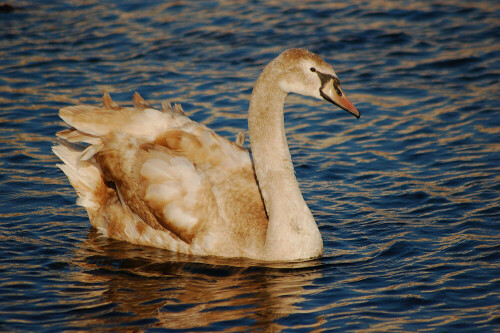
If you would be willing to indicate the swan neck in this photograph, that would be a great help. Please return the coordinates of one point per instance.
(271, 156)
(290, 220)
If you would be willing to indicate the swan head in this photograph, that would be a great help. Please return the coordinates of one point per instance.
(306, 73)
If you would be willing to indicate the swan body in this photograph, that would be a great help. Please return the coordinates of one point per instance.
(157, 178)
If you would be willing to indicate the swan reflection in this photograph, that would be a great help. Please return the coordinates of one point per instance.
(158, 288)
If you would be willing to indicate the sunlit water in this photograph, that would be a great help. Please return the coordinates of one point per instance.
(407, 197)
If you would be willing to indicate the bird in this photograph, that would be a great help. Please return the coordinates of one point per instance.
(157, 178)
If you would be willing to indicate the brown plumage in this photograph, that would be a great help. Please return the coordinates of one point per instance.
(126, 197)
(157, 178)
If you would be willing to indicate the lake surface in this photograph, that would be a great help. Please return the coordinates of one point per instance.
(407, 198)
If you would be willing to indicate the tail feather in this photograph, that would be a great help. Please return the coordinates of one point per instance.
(83, 175)
(139, 102)
(75, 136)
(92, 126)
(90, 120)
(108, 103)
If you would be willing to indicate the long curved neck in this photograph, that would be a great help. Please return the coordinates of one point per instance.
(292, 232)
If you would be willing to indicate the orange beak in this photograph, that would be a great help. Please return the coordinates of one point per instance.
(334, 94)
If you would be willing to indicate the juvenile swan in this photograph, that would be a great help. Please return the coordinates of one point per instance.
(158, 178)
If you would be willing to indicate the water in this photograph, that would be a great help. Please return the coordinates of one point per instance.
(407, 198)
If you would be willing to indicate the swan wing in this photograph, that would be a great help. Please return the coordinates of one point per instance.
(176, 176)
(160, 186)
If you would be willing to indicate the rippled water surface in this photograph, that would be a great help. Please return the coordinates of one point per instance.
(407, 197)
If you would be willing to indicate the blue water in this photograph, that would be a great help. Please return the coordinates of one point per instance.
(407, 198)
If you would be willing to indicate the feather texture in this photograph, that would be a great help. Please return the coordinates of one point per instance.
(170, 176)
(157, 178)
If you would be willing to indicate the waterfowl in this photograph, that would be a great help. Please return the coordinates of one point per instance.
(159, 179)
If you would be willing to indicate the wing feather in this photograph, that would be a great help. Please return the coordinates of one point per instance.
(171, 175)
(162, 187)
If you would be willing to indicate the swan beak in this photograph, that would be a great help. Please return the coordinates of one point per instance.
(332, 93)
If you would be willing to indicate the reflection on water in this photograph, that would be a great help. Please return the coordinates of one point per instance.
(406, 198)
(177, 291)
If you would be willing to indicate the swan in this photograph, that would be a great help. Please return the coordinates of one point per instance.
(156, 178)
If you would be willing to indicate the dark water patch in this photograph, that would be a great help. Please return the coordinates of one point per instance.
(449, 63)
(406, 197)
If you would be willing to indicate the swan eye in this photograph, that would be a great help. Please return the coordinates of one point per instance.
(313, 69)
(338, 90)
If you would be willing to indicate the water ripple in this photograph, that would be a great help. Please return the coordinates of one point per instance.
(407, 198)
